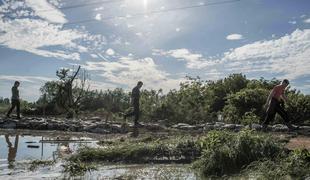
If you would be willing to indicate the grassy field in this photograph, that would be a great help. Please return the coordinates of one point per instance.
(214, 154)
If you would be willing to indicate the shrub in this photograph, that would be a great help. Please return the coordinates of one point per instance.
(295, 165)
(227, 153)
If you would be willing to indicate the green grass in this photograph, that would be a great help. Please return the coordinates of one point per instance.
(295, 165)
(148, 149)
(37, 163)
(78, 168)
(227, 153)
(215, 154)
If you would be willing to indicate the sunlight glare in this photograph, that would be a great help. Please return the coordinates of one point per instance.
(145, 2)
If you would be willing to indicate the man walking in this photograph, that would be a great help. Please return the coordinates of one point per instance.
(15, 100)
(135, 98)
(275, 105)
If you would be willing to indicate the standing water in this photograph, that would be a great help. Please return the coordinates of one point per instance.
(19, 148)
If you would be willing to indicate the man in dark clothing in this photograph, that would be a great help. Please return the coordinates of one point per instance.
(135, 97)
(15, 100)
(275, 104)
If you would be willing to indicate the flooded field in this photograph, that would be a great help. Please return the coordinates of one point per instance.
(19, 149)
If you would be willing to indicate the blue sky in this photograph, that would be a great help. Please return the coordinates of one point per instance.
(259, 38)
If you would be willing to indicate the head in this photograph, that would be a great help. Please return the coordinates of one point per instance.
(140, 84)
(16, 84)
(285, 83)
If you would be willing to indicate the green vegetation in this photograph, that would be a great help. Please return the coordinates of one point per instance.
(295, 165)
(215, 154)
(37, 163)
(227, 153)
(177, 149)
(236, 98)
(78, 168)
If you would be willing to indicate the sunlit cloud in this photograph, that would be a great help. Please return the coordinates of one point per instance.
(286, 57)
(128, 71)
(45, 10)
(42, 32)
(98, 17)
(110, 52)
(307, 20)
(192, 60)
(234, 37)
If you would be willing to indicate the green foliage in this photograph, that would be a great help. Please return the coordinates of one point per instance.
(37, 163)
(295, 165)
(114, 101)
(237, 98)
(4, 104)
(78, 168)
(227, 153)
(298, 107)
(186, 105)
(245, 101)
(249, 118)
(183, 149)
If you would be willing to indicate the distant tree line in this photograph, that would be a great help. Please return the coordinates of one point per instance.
(234, 99)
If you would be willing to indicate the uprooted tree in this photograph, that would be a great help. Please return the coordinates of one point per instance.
(67, 92)
(71, 89)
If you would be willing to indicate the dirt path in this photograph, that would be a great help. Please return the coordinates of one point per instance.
(299, 142)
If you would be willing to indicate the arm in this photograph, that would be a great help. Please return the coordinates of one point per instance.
(285, 99)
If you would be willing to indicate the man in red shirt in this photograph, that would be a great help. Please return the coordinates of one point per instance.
(274, 102)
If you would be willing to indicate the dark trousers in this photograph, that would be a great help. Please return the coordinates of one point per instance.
(135, 112)
(275, 107)
(15, 103)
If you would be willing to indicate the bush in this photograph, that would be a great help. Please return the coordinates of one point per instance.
(295, 165)
(249, 118)
(246, 100)
(173, 150)
(227, 153)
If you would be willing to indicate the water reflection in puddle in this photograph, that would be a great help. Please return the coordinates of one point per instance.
(18, 148)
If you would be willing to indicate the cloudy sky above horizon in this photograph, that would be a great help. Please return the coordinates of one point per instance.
(123, 41)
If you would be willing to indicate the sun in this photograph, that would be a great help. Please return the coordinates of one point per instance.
(145, 3)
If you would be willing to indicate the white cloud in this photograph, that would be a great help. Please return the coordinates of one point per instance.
(128, 71)
(130, 25)
(45, 10)
(193, 61)
(94, 55)
(234, 37)
(285, 57)
(292, 22)
(98, 85)
(98, 17)
(99, 8)
(177, 29)
(29, 79)
(307, 20)
(35, 35)
(33, 29)
(110, 52)
(139, 34)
